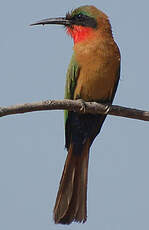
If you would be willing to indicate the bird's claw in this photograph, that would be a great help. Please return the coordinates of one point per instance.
(83, 105)
(107, 109)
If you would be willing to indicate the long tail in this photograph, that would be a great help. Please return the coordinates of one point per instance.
(72, 194)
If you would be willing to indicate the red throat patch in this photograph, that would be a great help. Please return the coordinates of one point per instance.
(79, 33)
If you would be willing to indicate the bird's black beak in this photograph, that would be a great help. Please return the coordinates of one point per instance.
(58, 21)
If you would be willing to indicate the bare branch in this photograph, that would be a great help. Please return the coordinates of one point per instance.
(75, 105)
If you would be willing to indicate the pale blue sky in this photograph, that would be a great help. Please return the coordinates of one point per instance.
(33, 65)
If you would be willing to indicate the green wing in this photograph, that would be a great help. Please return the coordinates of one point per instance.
(71, 80)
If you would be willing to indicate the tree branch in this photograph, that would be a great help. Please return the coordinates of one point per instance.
(75, 105)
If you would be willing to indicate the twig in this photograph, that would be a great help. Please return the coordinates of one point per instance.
(75, 105)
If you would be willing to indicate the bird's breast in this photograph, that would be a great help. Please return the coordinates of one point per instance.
(98, 73)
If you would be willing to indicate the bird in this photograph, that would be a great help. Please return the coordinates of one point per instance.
(92, 76)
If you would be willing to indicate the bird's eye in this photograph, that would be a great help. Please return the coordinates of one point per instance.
(80, 15)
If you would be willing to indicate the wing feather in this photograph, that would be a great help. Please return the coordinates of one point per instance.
(71, 80)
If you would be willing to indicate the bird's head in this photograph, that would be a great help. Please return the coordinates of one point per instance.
(82, 23)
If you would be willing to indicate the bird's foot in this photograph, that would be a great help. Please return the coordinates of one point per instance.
(107, 109)
(83, 105)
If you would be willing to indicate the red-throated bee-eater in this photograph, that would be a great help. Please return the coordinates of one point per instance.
(93, 75)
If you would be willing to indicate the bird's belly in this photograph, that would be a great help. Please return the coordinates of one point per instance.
(96, 84)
